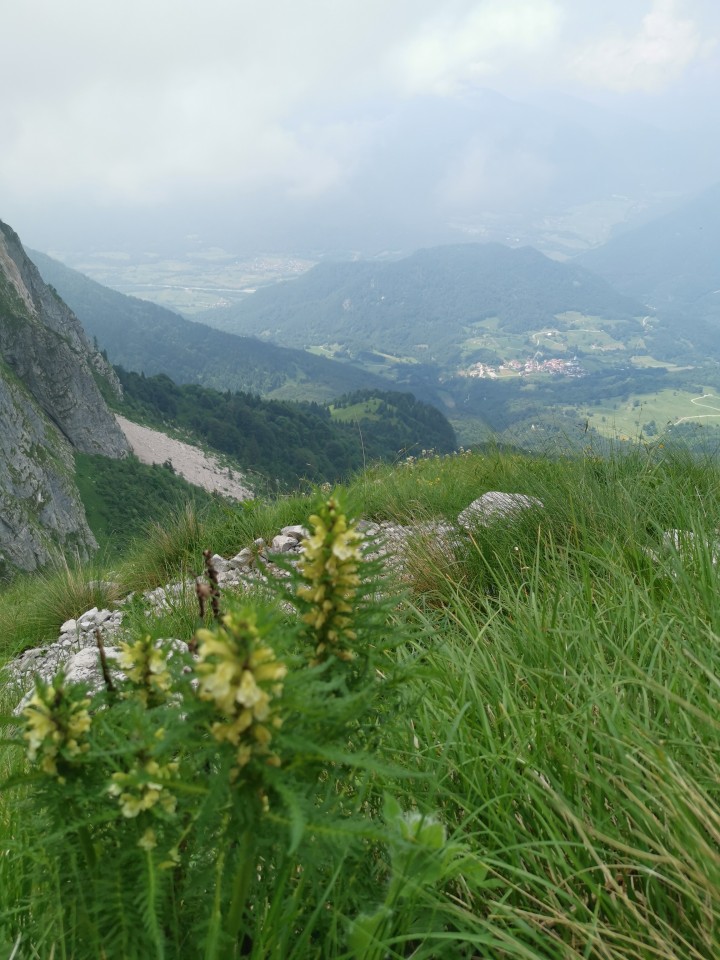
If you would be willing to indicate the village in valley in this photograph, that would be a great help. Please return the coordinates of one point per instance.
(524, 368)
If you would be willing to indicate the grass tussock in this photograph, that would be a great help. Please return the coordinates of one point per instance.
(522, 763)
(33, 609)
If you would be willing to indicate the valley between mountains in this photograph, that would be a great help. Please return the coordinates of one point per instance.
(498, 735)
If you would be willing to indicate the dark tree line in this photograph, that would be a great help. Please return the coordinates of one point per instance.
(288, 441)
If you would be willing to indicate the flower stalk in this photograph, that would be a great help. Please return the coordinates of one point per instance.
(241, 677)
(329, 581)
(56, 727)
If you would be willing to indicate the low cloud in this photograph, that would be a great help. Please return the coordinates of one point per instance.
(649, 60)
(448, 54)
(171, 103)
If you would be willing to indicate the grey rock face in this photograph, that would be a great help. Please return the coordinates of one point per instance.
(40, 507)
(44, 345)
(50, 403)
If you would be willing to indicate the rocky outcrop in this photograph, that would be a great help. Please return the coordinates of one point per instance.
(40, 508)
(50, 405)
(76, 652)
(44, 345)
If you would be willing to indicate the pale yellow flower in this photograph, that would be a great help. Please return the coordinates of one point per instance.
(241, 678)
(56, 726)
(329, 569)
(145, 665)
(148, 841)
(138, 792)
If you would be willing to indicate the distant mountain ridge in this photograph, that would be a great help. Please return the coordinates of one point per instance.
(50, 406)
(424, 306)
(142, 336)
(673, 264)
(673, 259)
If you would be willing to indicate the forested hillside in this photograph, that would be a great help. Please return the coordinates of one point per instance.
(424, 306)
(142, 336)
(287, 442)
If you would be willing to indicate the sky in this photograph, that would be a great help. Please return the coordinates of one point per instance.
(159, 111)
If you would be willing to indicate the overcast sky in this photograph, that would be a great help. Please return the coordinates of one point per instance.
(110, 106)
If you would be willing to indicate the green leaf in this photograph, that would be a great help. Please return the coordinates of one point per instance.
(298, 820)
(392, 811)
(363, 933)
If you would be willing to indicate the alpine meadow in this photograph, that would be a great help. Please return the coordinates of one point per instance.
(360, 481)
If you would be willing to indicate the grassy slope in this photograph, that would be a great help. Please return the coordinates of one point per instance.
(121, 496)
(561, 709)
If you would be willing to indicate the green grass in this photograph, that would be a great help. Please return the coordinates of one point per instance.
(356, 411)
(120, 495)
(624, 418)
(559, 715)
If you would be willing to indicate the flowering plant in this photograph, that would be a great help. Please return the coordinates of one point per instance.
(57, 723)
(329, 581)
(212, 770)
(240, 676)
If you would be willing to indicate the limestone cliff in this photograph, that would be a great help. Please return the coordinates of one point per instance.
(50, 403)
(44, 344)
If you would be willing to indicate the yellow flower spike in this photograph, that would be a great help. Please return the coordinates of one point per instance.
(145, 665)
(240, 676)
(56, 726)
(329, 571)
(137, 793)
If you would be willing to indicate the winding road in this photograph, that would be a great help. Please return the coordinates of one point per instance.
(708, 406)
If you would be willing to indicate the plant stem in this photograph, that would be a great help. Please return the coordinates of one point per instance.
(241, 885)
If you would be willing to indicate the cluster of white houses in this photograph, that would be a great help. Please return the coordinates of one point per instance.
(523, 368)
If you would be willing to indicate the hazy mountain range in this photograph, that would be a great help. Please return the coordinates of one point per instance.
(142, 336)
(424, 307)
(670, 262)
(491, 334)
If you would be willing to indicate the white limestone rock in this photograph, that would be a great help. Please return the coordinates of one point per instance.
(84, 666)
(684, 542)
(283, 544)
(242, 560)
(494, 506)
(220, 564)
(88, 621)
(297, 531)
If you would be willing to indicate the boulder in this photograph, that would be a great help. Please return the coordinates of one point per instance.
(84, 666)
(283, 544)
(296, 530)
(494, 506)
(241, 560)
